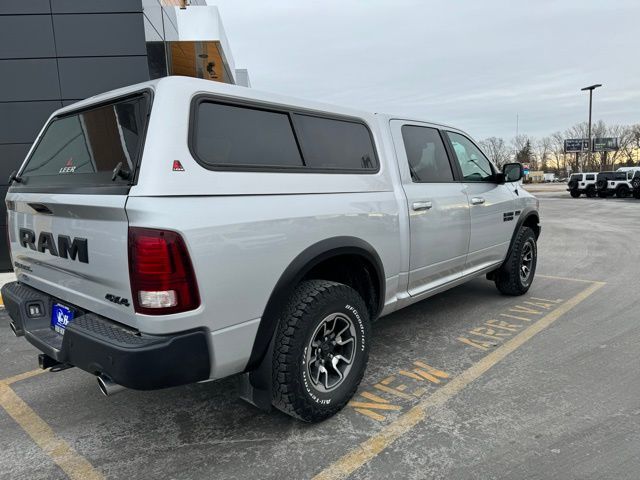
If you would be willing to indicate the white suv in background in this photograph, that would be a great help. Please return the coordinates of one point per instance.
(618, 183)
(580, 183)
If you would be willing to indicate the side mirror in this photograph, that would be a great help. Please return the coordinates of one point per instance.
(512, 172)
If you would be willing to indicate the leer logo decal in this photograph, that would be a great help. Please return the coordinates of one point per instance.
(69, 167)
(177, 166)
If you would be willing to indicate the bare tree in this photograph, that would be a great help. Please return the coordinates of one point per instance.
(579, 130)
(544, 147)
(519, 141)
(548, 152)
(496, 149)
(624, 134)
(559, 157)
(631, 149)
(602, 159)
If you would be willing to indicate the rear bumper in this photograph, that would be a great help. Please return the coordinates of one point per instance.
(100, 346)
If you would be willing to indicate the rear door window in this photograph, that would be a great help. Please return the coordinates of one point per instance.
(591, 177)
(84, 148)
(427, 157)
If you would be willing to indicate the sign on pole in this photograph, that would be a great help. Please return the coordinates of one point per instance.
(576, 145)
(610, 144)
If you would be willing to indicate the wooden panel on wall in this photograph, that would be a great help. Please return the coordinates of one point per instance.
(183, 58)
(188, 58)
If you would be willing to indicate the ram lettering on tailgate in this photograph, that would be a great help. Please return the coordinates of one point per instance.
(66, 247)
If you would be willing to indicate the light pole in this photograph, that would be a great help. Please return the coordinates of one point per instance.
(591, 88)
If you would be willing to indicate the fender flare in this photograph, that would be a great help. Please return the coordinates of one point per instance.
(297, 269)
(526, 214)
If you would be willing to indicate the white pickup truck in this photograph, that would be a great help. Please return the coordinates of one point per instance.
(183, 230)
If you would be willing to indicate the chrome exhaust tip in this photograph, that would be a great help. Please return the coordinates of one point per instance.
(14, 329)
(108, 387)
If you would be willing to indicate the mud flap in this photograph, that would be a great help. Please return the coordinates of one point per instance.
(256, 385)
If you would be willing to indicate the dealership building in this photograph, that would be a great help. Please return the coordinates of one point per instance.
(56, 52)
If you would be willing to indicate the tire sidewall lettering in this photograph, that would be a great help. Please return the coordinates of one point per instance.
(306, 384)
(534, 251)
(360, 325)
(325, 399)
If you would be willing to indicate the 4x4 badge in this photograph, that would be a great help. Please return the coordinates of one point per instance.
(177, 166)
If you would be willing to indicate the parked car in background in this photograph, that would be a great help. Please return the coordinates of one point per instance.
(616, 183)
(628, 169)
(582, 183)
(635, 184)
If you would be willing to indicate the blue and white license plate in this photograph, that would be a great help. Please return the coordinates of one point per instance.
(61, 317)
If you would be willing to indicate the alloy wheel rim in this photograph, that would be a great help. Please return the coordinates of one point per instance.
(526, 262)
(331, 352)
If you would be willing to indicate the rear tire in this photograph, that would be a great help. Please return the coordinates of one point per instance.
(325, 324)
(517, 272)
(575, 193)
(591, 191)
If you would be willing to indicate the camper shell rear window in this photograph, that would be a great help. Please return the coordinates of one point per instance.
(82, 148)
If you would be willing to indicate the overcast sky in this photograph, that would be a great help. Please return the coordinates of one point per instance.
(475, 64)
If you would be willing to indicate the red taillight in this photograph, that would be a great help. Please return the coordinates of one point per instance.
(162, 278)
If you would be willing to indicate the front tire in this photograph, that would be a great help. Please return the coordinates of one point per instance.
(321, 350)
(516, 274)
(622, 191)
(575, 193)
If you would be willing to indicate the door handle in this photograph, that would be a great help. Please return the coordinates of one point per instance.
(418, 206)
(477, 201)
(41, 208)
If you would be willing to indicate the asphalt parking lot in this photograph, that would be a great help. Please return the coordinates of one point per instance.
(468, 384)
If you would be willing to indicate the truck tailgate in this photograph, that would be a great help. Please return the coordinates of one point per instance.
(73, 247)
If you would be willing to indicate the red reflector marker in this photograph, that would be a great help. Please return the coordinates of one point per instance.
(161, 273)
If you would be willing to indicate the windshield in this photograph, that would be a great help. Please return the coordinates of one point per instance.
(84, 148)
